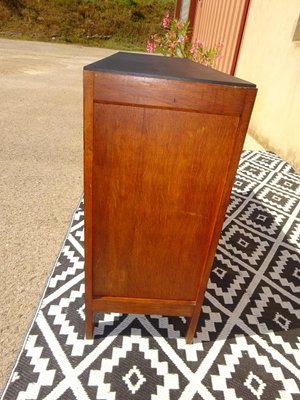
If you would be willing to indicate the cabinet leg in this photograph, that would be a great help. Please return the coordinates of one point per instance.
(89, 324)
(191, 327)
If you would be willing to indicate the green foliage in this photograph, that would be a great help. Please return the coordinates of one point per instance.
(176, 42)
(127, 2)
(107, 23)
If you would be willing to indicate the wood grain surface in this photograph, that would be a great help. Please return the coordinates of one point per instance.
(158, 176)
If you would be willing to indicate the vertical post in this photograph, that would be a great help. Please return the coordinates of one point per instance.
(240, 36)
(88, 91)
(177, 9)
(192, 14)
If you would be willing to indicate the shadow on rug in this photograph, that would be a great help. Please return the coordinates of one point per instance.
(247, 340)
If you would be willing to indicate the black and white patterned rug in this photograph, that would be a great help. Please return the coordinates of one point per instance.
(247, 344)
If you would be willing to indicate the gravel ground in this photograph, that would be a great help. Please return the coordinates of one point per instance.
(41, 172)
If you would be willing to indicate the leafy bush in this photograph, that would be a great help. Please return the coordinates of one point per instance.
(176, 42)
(108, 23)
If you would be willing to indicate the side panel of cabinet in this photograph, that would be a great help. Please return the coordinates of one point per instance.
(158, 177)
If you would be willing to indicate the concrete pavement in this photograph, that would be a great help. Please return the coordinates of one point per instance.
(40, 172)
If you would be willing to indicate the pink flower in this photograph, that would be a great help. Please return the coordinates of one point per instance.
(183, 38)
(166, 21)
(179, 24)
(151, 46)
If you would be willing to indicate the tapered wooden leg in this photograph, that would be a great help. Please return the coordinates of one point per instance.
(192, 325)
(89, 323)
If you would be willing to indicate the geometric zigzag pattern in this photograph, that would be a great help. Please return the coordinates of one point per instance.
(247, 342)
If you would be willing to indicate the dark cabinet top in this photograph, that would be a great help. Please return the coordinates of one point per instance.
(153, 66)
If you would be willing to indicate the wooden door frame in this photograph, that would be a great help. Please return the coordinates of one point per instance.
(177, 8)
(240, 36)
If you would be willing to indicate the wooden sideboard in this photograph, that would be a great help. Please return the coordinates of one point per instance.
(162, 141)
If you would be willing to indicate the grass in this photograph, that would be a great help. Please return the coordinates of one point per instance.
(121, 24)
